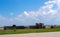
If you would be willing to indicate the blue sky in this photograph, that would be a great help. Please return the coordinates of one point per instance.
(19, 6)
(28, 12)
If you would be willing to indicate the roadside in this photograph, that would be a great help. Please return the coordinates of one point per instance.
(47, 34)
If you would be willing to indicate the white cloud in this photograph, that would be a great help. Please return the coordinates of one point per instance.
(2, 18)
(50, 2)
(11, 14)
(26, 13)
(53, 12)
(45, 14)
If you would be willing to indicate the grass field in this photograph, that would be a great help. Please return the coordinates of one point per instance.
(22, 31)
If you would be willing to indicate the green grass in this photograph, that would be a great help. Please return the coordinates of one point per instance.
(22, 31)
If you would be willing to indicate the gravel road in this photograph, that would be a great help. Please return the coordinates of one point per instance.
(48, 34)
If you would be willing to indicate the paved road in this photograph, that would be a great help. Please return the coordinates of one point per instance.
(48, 34)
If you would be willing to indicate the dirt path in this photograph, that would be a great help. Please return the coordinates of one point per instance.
(48, 34)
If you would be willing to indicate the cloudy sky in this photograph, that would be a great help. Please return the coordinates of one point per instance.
(28, 12)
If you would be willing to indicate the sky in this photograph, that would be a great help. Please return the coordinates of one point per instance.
(29, 12)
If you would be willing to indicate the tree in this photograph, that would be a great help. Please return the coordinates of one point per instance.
(51, 26)
(14, 28)
(4, 28)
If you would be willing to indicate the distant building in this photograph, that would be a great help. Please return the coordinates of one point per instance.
(39, 25)
(8, 27)
(14, 26)
(49, 27)
(1, 28)
(32, 27)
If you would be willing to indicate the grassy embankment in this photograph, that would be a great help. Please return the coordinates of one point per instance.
(28, 31)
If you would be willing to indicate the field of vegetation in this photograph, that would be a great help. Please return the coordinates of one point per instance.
(22, 31)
